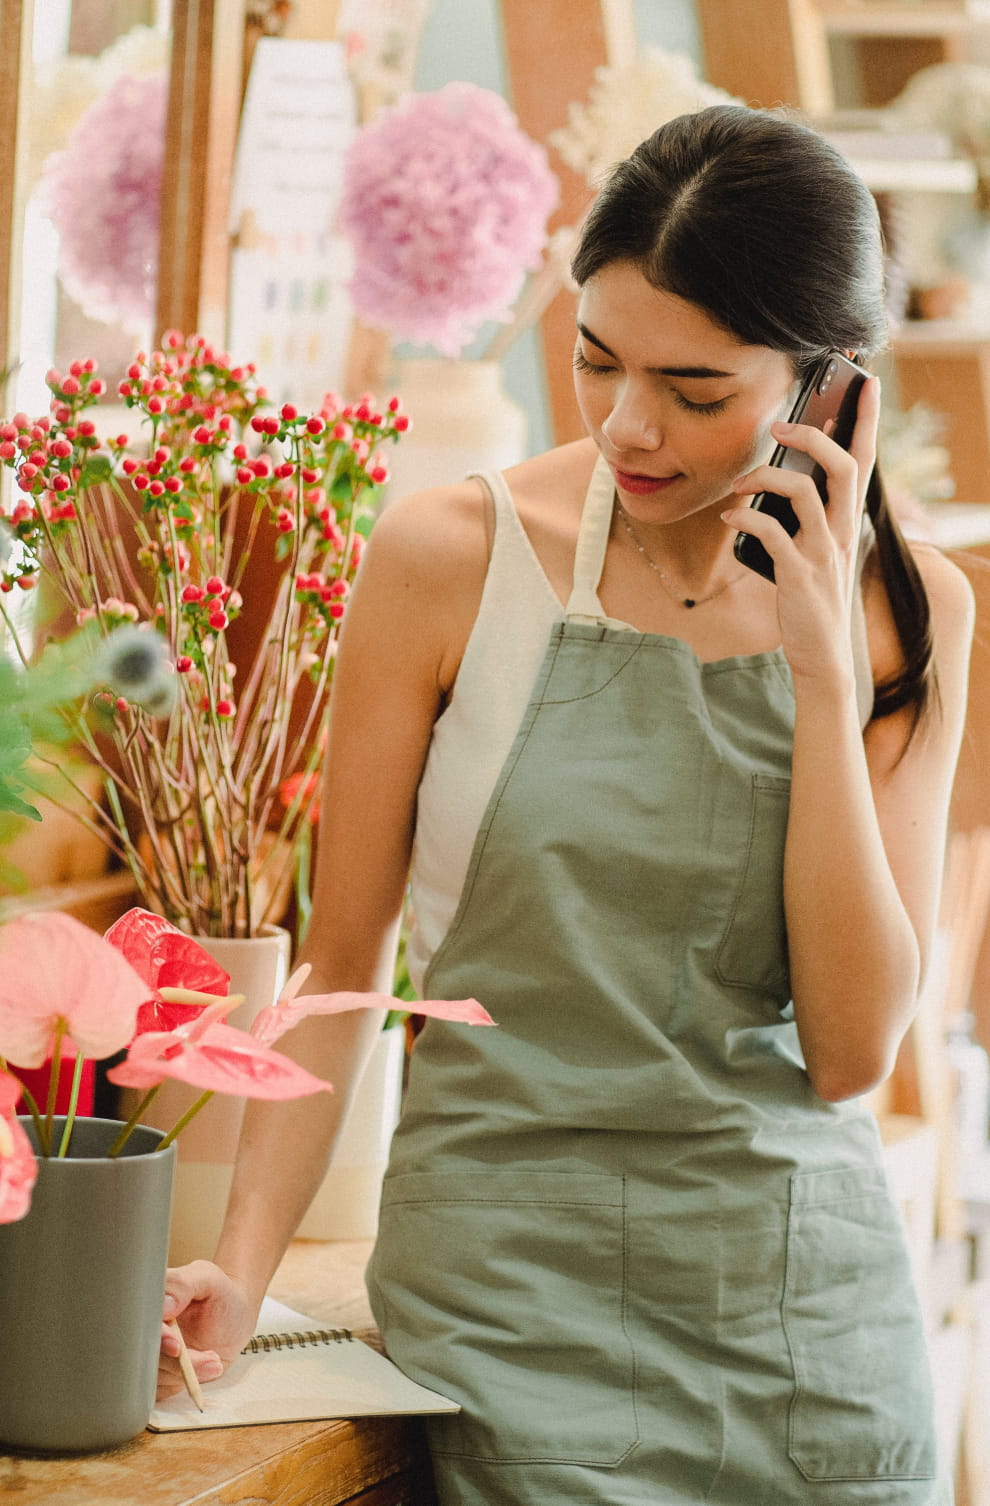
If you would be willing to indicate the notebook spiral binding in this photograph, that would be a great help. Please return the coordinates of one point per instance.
(265, 1343)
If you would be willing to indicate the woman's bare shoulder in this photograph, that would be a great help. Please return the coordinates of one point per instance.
(951, 604)
(444, 533)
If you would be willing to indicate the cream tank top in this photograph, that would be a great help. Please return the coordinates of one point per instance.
(472, 738)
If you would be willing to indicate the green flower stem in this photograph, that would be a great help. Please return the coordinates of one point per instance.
(53, 1077)
(134, 1120)
(29, 1099)
(304, 897)
(70, 1117)
(190, 1113)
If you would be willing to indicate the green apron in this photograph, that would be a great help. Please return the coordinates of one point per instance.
(621, 1229)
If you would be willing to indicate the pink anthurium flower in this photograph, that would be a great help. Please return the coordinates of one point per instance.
(181, 975)
(58, 978)
(216, 1057)
(18, 1165)
(165, 956)
(289, 1009)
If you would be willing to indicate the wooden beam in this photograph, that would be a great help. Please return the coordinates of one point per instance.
(552, 50)
(201, 132)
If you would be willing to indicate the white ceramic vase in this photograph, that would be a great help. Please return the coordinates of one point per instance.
(346, 1205)
(258, 968)
(462, 420)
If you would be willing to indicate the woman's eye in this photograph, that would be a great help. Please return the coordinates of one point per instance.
(715, 407)
(581, 363)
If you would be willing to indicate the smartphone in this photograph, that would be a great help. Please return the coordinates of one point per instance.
(829, 396)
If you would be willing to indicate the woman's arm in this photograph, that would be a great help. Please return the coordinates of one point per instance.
(406, 627)
(868, 814)
(865, 848)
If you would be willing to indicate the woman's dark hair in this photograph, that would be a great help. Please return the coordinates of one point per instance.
(760, 222)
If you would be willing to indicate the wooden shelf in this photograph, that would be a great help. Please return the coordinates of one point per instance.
(909, 175)
(925, 18)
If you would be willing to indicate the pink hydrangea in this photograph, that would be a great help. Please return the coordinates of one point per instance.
(103, 195)
(446, 203)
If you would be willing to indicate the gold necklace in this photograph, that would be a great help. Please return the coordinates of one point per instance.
(682, 601)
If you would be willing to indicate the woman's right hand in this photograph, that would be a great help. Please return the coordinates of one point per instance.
(216, 1316)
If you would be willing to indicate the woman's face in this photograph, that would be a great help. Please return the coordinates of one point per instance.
(677, 406)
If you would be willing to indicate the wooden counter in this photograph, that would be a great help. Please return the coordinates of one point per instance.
(375, 1461)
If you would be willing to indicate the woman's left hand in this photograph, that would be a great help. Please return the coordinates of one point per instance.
(816, 569)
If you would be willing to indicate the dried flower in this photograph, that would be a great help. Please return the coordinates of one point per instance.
(627, 104)
(165, 544)
(446, 201)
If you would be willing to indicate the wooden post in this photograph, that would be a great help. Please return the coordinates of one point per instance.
(767, 52)
(16, 24)
(201, 131)
(553, 49)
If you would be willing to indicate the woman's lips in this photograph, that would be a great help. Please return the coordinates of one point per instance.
(640, 486)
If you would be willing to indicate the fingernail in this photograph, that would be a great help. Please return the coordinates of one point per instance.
(170, 1306)
(211, 1370)
(781, 426)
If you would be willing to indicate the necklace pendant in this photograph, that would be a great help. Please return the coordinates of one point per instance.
(689, 601)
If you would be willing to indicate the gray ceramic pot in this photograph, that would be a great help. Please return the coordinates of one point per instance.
(81, 1284)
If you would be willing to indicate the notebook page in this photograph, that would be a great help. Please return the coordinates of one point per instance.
(343, 1378)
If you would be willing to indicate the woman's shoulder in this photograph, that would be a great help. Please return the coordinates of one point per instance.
(951, 605)
(443, 533)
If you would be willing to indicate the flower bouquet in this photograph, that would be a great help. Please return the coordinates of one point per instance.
(445, 200)
(84, 1204)
(225, 538)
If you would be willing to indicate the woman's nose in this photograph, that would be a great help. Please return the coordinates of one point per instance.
(632, 425)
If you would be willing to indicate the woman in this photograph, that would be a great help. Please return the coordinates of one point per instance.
(688, 856)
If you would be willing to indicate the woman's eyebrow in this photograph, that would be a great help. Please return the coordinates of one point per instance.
(701, 373)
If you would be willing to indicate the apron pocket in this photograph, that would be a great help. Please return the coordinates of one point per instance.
(506, 1290)
(753, 949)
(862, 1402)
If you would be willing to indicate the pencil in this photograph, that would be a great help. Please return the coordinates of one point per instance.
(186, 1366)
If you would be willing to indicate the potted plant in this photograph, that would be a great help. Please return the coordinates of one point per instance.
(84, 1203)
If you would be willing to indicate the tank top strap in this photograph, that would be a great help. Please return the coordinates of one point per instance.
(583, 604)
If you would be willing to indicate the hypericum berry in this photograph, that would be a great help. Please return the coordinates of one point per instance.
(225, 708)
(183, 664)
(192, 594)
(214, 585)
(218, 620)
(289, 412)
(315, 425)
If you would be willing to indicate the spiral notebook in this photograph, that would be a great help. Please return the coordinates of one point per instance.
(294, 1371)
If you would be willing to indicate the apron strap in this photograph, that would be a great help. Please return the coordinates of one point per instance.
(589, 556)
